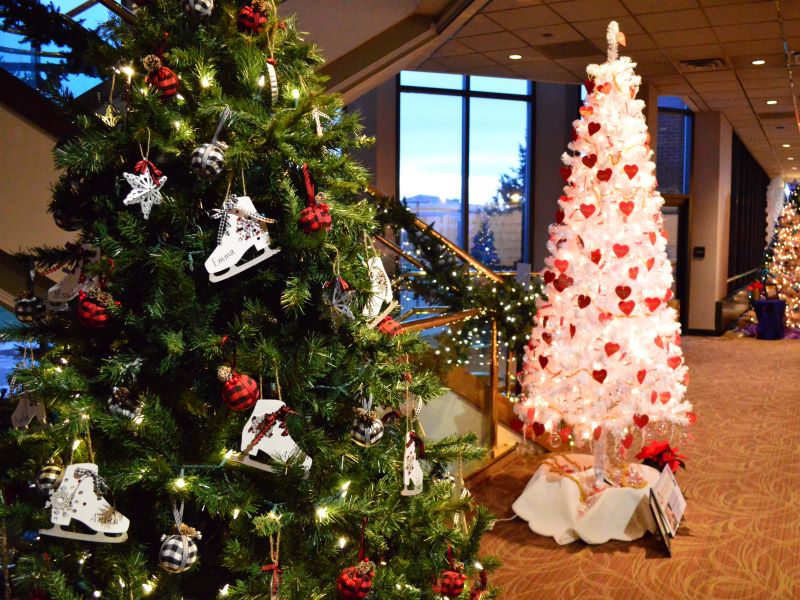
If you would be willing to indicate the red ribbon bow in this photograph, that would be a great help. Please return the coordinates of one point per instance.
(312, 197)
(276, 575)
(413, 438)
(143, 165)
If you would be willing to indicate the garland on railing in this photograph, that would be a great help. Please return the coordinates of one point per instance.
(451, 282)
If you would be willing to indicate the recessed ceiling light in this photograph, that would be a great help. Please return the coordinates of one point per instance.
(515, 56)
(786, 145)
(759, 61)
(770, 102)
(790, 158)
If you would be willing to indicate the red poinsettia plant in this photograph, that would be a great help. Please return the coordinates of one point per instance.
(756, 288)
(658, 454)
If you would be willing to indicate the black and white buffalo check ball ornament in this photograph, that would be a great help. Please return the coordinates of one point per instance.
(29, 309)
(178, 552)
(198, 8)
(208, 159)
(48, 476)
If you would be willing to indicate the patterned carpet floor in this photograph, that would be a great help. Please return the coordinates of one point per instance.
(740, 537)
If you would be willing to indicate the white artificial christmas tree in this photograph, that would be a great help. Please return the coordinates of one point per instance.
(604, 366)
(785, 263)
(776, 197)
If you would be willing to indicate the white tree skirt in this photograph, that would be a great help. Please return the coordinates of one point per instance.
(551, 504)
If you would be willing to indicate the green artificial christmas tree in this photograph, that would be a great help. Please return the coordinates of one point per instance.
(215, 355)
(483, 248)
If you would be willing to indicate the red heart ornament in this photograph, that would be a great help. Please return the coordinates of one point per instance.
(547, 338)
(595, 256)
(598, 431)
(565, 433)
(571, 330)
(565, 173)
(590, 160)
(633, 272)
(650, 262)
(561, 264)
(652, 303)
(630, 170)
(653, 237)
(565, 198)
(692, 418)
(664, 397)
(611, 347)
(604, 88)
(664, 233)
(587, 210)
(559, 216)
(659, 342)
(586, 111)
(674, 361)
(623, 291)
(593, 127)
(549, 276)
(621, 250)
(627, 441)
(641, 420)
(641, 374)
(543, 360)
(653, 397)
(589, 85)
(584, 301)
(604, 174)
(605, 316)
(562, 282)
(599, 375)
(626, 207)
(627, 306)
(538, 428)
(667, 296)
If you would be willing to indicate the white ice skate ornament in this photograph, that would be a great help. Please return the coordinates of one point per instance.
(240, 229)
(79, 497)
(317, 115)
(381, 291)
(266, 431)
(146, 182)
(340, 299)
(26, 411)
(76, 281)
(412, 471)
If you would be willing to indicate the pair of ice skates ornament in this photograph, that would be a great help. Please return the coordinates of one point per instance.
(75, 281)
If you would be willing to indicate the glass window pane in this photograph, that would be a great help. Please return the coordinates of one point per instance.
(497, 194)
(672, 160)
(498, 84)
(430, 160)
(94, 16)
(67, 5)
(445, 81)
(671, 102)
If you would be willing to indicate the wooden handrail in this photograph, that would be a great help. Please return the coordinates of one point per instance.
(438, 320)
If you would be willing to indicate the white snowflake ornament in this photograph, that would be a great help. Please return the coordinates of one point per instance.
(146, 182)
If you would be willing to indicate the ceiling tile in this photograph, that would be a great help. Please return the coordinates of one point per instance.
(587, 10)
(506, 4)
(680, 53)
(771, 92)
(642, 57)
(759, 73)
(791, 27)
(771, 60)
(790, 10)
(710, 76)
(638, 42)
(492, 71)
(723, 86)
(656, 69)
(467, 61)
(493, 41)
(477, 25)
(546, 71)
(748, 12)
(552, 34)
(432, 65)
(520, 18)
(452, 48)
(579, 63)
(683, 37)
(674, 20)
(753, 48)
(672, 80)
(748, 31)
(652, 6)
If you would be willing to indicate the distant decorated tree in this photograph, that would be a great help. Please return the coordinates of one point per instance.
(483, 248)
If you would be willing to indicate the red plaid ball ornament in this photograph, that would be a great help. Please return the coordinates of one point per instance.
(389, 326)
(239, 391)
(93, 309)
(316, 215)
(451, 581)
(253, 18)
(160, 77)
(355, 583)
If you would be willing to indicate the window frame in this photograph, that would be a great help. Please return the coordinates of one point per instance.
(466, 94)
